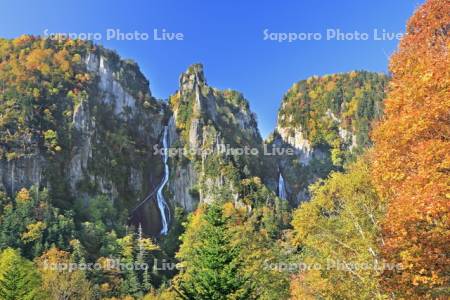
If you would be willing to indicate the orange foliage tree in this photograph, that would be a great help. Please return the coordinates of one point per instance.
(411, 157)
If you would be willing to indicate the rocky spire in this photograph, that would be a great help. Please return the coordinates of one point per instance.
(192, 78)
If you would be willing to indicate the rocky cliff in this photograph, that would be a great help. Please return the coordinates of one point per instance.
(84, 125)
(326, 121)
(81, 121)
(208, 125)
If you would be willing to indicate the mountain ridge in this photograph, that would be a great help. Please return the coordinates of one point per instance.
(200, 119)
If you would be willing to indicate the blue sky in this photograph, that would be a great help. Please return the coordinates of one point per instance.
(228, 38)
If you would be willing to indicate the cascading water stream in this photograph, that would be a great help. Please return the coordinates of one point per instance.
(162, 204)
(281, 188)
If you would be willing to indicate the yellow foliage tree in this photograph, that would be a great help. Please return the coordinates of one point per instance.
(338, 230)
(23, 195)
(58, 282)
(411, 157)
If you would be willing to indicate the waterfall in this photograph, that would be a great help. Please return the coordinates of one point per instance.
(281, 188)
(162, 204)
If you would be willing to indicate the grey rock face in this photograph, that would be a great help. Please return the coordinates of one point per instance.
(82, 152)
(296, 140)
(111, 91)
(192, 78)
(183, 178)
(216, 118)
(22, 172)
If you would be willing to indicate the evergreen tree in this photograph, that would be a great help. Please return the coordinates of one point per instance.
(18, 277)
(130, 285)
(141, 261)
(211, 259)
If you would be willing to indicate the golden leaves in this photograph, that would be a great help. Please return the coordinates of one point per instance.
(411, 146)
(23, 196)
(34, 232)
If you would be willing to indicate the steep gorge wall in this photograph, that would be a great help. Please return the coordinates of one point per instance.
(206, 121)
(91, 133)
(95, 133)
(326, 121)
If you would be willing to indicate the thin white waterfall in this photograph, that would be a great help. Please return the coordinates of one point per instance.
(162, 204)
(281, 188)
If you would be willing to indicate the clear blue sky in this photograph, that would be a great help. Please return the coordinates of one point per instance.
(227, 37)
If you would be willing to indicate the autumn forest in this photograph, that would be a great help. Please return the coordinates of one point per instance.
(93, 206)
